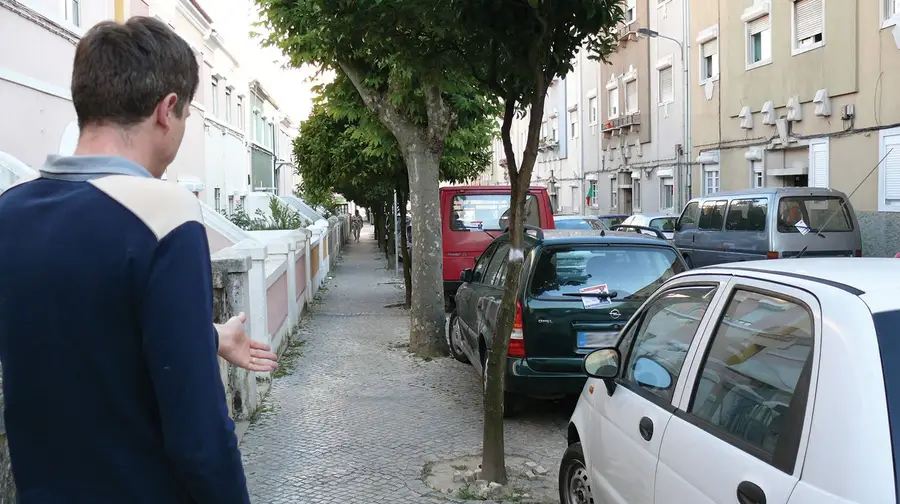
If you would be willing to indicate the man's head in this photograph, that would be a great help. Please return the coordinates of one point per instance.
(356, 212)
(132, 87)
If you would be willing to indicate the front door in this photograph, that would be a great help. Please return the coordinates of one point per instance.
(467, 293)
(738, 435)
(628, 424)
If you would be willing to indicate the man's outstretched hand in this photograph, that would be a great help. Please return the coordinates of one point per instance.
(236, 347)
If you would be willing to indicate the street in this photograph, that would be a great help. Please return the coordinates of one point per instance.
(357, 417)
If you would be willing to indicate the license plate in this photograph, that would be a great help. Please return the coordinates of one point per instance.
(596, 339)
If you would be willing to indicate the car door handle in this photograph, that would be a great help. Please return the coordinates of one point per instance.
(646, 428)
(750, 493)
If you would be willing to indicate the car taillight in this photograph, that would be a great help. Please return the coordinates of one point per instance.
(771, 255)
(858, 253)
(517, 337)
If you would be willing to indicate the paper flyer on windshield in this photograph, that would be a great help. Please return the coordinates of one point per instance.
(591, 300)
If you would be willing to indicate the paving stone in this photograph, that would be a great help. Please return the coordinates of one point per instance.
(358, 417)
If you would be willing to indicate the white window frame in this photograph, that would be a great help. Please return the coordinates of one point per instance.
(884, 20)
(818, 143)
(757, 174)
(659, 73)
(214, 97)
(613, 108)
(554, 130)
(637, 94)
(665, 182)
(796, 48)
(74, 12)
(228, 104)
(715, 59)
(593, 111)
(614, 191)
(592, 189)
(637, 195)
(573, 123)
(750, 15)
(630, 5)
(883, 135)
(712, 167)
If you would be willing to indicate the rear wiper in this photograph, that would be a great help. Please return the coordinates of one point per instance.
(610, 294)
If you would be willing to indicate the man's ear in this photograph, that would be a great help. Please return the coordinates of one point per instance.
(167, 110)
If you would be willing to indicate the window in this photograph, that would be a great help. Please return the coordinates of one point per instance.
(710, 179)
(613, 103)
(666, 86)
(805, 214)
(214, 97)
(497, 260)
(818, 163)
(230, 204)
(809, 24)
(543, 130)
(663, 335)
(482, 263)
(747, 215)
(483, 212)
(690, 216)
(756, 174)
(614, 193)
(755, 370)
(709, 64)
(630, 11)
(573, 123)
(631, 272)
(631, 97)
(243, 201)
(592, 105)
(257, 131)
(889, 171)
(592, 193)
(712, 215)
(578, 224)
(759, 41)
(554, 130)
(240, 112)
(889, 8)
(228, 105)
(217, 195)
(636, 194)
(74, 13)
(667, 193)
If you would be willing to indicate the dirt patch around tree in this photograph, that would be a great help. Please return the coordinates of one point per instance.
(460, 479)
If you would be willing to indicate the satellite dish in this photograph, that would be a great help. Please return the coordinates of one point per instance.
(69, 140)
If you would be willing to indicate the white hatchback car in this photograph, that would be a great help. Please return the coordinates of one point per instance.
(764, 382)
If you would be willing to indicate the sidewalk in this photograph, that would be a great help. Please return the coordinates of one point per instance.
(358, 416)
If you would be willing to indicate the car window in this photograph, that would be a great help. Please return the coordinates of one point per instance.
(596, 224)
(611, 221)
(665, 224)
(573, 224)
(480, 212)
(712, 215)
(751, 373)
(747, 215)
(690, 215)
(804, 214)
(482, 263)
(663, 336)
(499, 259)
(633, 272)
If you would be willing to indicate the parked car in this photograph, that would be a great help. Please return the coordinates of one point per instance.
(768, 223)
(662, 221)
(578, 289)
(610, 220)
(759, 382)
(578, 222)
(472, 216)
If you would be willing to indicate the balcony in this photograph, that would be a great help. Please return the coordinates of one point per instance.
(629, 123)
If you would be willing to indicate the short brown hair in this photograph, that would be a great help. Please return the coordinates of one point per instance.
(122, 71)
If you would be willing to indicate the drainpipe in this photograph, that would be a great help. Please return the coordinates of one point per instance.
(685, 190)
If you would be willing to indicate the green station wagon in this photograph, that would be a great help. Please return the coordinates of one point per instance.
(578, 289)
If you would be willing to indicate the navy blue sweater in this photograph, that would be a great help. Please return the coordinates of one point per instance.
(110, 376)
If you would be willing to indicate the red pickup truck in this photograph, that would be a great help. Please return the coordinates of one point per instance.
(472, 216)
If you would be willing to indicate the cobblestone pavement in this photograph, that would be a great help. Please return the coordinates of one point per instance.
(357, 418)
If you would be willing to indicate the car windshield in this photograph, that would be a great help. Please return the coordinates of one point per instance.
(611, 221)
(887, 331)
(633, 272)
(579, 224)
(663, 223)
(482, 212)
(805, 214)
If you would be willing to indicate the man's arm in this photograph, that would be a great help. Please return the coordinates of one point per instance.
(180, 347)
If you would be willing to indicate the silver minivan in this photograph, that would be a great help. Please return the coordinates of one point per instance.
(767, 223)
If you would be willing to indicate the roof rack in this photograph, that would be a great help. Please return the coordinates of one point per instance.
(638, 229)
(538, 232)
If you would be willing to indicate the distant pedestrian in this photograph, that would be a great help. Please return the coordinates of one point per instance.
(112, 386)
(356, 224)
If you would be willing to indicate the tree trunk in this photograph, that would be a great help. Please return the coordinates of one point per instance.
(426, 336)
(392, 237)
(493, 461)
(379, 227)
(404, 249)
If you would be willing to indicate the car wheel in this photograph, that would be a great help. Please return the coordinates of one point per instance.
(454, 334)
(574, 481)
(511, 402)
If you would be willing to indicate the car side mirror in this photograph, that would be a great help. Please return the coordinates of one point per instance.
(678, 224)
(465, 275)
(651, 374)
(603, 363)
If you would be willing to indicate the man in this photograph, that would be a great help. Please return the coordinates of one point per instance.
(356, 224)
(111, 381)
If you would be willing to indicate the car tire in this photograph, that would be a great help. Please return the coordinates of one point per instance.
(574, 479)
(455, 339)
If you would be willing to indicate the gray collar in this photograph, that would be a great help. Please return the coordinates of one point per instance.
(84, 168)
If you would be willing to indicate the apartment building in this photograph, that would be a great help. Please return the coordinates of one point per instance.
(804, 98)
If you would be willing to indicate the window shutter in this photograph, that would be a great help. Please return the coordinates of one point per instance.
(891, 170)
(710, 48)
(666, 88)
(818, 165)
(631, 97)
(808, 16)
(759, 25)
